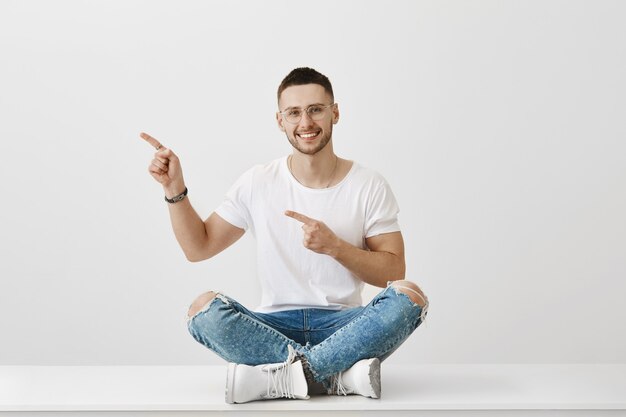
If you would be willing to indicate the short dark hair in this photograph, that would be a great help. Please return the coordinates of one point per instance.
(305, 75)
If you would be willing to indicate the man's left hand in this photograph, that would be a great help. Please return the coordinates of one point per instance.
(317, 236)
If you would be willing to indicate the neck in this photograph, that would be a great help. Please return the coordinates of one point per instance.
(314, 171)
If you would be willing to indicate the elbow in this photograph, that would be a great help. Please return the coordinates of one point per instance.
(395, 271)
(399, 270)
(195, 257)
(398, 275)
(402, 272)
(197, 252)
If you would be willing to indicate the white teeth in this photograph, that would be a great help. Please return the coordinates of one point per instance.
(308, 135)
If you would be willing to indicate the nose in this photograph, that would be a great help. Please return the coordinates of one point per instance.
(306, 120)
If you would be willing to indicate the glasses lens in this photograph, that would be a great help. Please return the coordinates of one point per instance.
(293, 115)
(316, 112)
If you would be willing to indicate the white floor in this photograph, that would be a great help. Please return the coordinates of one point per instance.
(437, 390)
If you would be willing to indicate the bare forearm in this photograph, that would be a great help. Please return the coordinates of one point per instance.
(188, 228)
(375, 268)
(385, 261)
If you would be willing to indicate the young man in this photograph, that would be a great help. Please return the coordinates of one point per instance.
(324, 226)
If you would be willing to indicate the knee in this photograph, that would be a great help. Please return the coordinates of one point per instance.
(200, 303)
(412, 291)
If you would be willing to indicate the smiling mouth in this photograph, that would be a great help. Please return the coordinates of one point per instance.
(308, 136)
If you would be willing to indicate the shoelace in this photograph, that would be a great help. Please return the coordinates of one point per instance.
(279, 380)
(336, 387)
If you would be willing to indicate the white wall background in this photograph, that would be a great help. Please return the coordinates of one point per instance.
(499, 124)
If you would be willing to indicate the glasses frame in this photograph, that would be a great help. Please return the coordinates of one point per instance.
(306, 110)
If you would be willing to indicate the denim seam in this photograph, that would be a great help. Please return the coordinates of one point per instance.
(347, 326)
(309, 374)
(324, 329)
(306, 324)
(399, 337)
(360, 316)
(342, 323)
(344, 328)
(270, 330)
(316, 375)
(275, 334)
(363, 316)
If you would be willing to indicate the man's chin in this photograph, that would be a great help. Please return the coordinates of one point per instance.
(309, 148)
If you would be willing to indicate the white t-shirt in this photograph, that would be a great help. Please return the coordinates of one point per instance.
(362, 205)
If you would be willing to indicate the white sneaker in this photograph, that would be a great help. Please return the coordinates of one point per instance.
(265, 382)
(363, 378)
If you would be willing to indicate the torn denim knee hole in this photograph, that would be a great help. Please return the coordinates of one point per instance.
(222, 297)
(398, 287)
(424, 308)
(208, 305)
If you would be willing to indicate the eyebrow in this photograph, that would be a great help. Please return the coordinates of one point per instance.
(300, 108)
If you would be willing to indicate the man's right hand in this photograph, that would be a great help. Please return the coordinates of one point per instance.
(165, 168)
(199, 240)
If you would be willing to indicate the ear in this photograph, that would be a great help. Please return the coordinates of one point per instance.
(280, 121)
(335, 113)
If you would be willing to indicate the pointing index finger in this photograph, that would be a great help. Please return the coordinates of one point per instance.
(152, 141)
(299, 217)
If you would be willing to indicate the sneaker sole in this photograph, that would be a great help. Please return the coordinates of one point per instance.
(230, 383)
(374, 374)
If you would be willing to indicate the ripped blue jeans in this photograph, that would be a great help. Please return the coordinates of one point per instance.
(329, 341)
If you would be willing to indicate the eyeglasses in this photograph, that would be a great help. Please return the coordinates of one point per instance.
(314, 111)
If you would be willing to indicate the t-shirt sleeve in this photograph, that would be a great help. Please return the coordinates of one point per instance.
(235, 208)
(382, 211)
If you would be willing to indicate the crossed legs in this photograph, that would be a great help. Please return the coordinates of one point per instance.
(374, 331)
(241, 336)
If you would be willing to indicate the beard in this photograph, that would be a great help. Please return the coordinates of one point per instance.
(308, 151)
